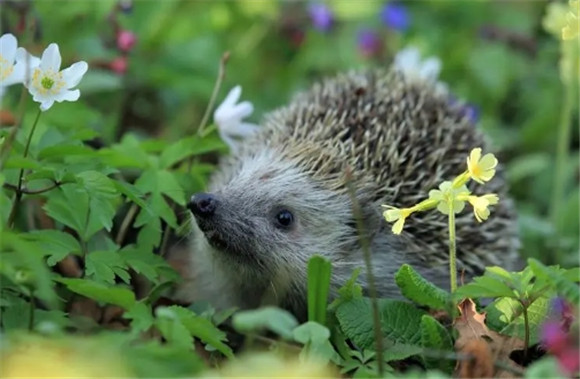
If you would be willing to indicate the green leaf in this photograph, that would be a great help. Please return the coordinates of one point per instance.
(547, 367)
(131, 192)
(100, 292)
(203, 329)
(21, 162)
(400, 321)
(63, 151)
(104, 265)
(189, 146)
(317, 347)
(563, 286)
(274, 319)
(349, 291)
(56, 244)
(418, 289)
(400, 351)
(435, 337)
(172, 329)
(319, 270)
(98, 184)
(141, 316)
(505, 315)
(485, 286)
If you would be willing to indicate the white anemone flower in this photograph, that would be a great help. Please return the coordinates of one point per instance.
(13, 61)
(49, 84)
(409, 62)
(229, 119)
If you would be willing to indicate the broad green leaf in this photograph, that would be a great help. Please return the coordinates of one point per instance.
(57, 244)
(173, 330)
(63, 151)
(435, 337)
(317, 347)
(318, 287)
(485, 286)
(169, 186)
(546, 367)
(122, 297)
(274, 319)
(102, 266)
(399, 351)
(416, 288)
(187, 147)
(131, 192)
(98, 184)
(505, 315)
(400, 321)
(21, 162)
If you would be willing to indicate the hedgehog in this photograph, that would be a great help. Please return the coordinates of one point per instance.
(283, 195)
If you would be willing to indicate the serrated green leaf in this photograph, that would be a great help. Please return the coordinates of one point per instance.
(100, 292)
(59, 207)
(435, 337)
(57, 244)
(203, 329)
(561, 284)
(174, 331)
(400, 322)
(418, 289)
(169, 186)
(349, 291)
(319, 270)
(186, 147)
(274, 319)
(102, 266)
(141, 316)
(505, 315)
(97, 184)
(21, 162)
(131, 192)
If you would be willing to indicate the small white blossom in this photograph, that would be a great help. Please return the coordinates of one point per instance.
(49, 84)
(13, 61)
(409, 62)
(228, 117)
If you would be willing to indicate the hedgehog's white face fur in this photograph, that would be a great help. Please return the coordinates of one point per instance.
(268, 219)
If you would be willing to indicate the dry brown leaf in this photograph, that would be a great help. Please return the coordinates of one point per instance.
(482, 364)
(471, 326)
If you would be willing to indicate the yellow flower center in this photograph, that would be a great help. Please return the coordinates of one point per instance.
(47, 82)
(6, 68)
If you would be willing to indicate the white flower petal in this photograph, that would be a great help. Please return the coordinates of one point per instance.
(67, 95)
(25, 59)
(430, 69)
(244, 129)
(8, 45)
(407, 59)
(241, 110)
(73, 75)
(233, 96)
(51, 58)
(45, 105)
(17, 75)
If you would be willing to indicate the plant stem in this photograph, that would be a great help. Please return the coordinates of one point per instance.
(452, 248)
(364, 243)
(562, 147)
(31, 311)
(216, 88)
(129, 217)
(18, 194)
(526, 329)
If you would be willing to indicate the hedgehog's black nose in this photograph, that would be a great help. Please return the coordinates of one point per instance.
(202, 204)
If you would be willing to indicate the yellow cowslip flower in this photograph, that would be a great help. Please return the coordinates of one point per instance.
(398, 215)
(481, 169)
(555, 19)
(571, 30)
(480, 205)
(448, 194)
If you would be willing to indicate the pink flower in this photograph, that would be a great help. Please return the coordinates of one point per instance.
(119, 65)
(554, 337)
(570, 360)
(126, 40)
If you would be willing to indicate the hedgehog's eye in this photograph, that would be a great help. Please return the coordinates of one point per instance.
(284, 219)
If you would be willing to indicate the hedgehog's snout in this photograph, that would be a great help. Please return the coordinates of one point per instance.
(203, 205)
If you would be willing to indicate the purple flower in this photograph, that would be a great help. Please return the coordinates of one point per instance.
(472, 112)
(553, 337)
(321, 15)
(369, 42)
(395, 16)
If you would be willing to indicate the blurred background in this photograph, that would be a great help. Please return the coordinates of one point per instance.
(153, 65)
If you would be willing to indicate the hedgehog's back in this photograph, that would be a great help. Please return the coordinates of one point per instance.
(402, 138)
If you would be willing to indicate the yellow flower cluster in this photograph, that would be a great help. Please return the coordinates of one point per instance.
(452, 195)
